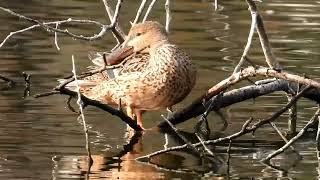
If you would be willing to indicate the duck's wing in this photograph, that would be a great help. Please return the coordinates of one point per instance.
(96, 58)
(99, 61)
(135, 63)
(131, 65)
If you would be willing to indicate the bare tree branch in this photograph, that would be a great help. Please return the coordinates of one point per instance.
(249, 41)
(192, 110)
(149, 10)
(265, 44)
(117, 31)
(311, 123)
(56, 38)
(47, 27)
(185, 140)
(215, 5)
(80, 103)
(246, 128)
(8, 80)
(140, 10)
(168, 15)
(274, 126)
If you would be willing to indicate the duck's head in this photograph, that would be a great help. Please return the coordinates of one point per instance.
(145, 35)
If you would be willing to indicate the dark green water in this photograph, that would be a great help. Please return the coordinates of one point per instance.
(42, 139)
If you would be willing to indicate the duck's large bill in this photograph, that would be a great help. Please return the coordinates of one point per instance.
(113, 58)
(118, 55)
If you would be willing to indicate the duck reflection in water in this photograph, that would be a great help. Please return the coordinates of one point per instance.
(122, 165)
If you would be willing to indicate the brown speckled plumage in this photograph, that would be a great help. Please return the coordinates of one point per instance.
(158, 76)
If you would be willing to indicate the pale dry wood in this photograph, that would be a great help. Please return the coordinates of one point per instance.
(249, 42)
(139, 12)
(168, 15)
(80, 104)
(148, 10)
(47, 27)
(70, 20)
(261, 71)
(117, 31)
(264, 40)
(56, 38)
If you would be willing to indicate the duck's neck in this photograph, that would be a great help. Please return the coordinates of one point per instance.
(155, 47)
(160, 54)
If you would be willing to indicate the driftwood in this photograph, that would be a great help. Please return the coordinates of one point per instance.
(215, 98)
(288, 83)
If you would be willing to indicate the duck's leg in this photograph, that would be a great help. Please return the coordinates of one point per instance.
(130, 131)
(130, 112)
(136, 114)
(139, 118)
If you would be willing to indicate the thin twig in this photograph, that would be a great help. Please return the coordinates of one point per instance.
(228, 158)
(116, 13)
(27, 78)
(104, 107)
(104, 28)
(27, 84)
(249, 41)
(215, 5)
(318, 135)
(274, 126)
(80, 103)
(245, 128)
(265, 44)
(50, 23)
(149, 10)
(45, 94)
(204, 146)
(56, 38)
(292, 119)
(186, 141)
(147, 157)
(295, 138)
(117, 31)
(168, 15)
(139, 12)
(8, 80)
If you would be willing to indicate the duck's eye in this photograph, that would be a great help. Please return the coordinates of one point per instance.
(138, 34)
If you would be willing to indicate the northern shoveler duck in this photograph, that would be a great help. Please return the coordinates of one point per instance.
(157, 74)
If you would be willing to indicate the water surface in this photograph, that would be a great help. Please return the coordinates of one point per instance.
(42, 139)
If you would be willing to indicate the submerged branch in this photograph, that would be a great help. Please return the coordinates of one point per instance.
(8, 80)
(311, 123)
